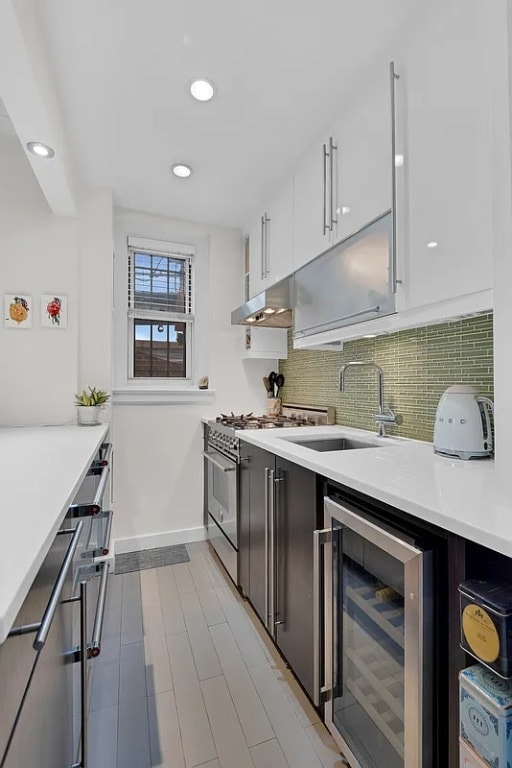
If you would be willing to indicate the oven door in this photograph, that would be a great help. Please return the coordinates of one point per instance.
(378, 643)
(223, 493)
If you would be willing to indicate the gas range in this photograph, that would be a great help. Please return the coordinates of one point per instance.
(222, 431)
(222, 471)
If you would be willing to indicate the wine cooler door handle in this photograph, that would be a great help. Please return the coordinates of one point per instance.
(320, 537)
(272, 555)
(267, 541)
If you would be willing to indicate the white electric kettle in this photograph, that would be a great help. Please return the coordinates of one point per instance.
(463, 423)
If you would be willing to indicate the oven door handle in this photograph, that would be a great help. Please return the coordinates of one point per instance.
(222, 467)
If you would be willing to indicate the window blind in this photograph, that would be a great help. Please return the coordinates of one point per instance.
(160, 283)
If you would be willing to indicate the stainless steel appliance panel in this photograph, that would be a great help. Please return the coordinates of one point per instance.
(378, 642)
(223, 493)
(222, 546)
(43, 733)
(348, 284)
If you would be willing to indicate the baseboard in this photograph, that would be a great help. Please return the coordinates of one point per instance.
(163, 539)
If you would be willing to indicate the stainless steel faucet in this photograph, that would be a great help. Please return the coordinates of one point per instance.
(381, 417)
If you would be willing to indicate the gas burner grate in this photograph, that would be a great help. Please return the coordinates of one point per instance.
(249, 421)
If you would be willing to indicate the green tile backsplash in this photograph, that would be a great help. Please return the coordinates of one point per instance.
(418, 364)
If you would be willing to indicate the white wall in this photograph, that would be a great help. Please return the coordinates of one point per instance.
(42, 253)
(38, 254)
(158, 464)
(96, 289)
(501, 134)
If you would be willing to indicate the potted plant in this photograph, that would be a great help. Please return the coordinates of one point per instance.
(88, 406)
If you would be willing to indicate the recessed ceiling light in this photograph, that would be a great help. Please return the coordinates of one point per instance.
(202, 89)
(251, 319)
(268, 311)
(370, 336)
(399, 160)
(181, 170)
(41, 150)
(344, 210)
(432, 244)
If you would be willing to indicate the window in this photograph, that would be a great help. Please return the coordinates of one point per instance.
(160, 312)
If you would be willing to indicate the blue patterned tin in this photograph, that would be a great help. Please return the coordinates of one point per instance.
(486, 715)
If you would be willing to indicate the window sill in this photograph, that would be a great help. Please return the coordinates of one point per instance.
(154, 396)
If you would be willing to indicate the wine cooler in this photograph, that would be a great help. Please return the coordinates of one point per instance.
(374, 660)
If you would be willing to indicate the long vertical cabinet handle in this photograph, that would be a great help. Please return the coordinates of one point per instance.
(278, 616)
(267, 257)
(267, 553)
(272, 554)
(320, 537)
(324, 225)
(84, 656)
(332, 149)
(262, 248)
(393, 77)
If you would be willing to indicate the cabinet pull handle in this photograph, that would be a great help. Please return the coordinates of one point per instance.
(324, 225)
(332, 149)
(98, 498)
(84, 703)
(393, 77)
(262, 254)
(278, 619)
(340, 319)
(97, 632)
(267, 259)
(51, 608)
(320, 537)
(267, 553)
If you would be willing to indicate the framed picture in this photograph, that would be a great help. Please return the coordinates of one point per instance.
(54, 310)
(18, 310)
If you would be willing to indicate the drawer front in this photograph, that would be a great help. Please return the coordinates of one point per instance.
(19, 661)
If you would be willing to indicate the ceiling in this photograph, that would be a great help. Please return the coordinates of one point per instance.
(6, 126)
(121, 71)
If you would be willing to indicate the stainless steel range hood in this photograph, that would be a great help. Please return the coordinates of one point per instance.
(270, 308)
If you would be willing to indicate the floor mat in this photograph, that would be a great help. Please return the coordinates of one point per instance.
(151, 558)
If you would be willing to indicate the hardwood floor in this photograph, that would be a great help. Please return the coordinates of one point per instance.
(187, 677)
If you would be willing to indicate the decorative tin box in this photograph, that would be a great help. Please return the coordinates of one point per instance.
(468, 758)
(486, 623)
(486, 715)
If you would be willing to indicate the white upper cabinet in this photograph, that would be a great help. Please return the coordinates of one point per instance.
(271, 242)
(314, 201)
(344, 180)
(444, 188)
(363, 177)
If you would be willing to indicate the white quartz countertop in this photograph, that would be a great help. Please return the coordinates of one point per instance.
(459, 496)
(41, 469)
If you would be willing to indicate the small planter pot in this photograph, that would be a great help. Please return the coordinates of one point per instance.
(88, 415)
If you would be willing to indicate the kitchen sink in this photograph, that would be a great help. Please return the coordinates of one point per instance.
(332, 444)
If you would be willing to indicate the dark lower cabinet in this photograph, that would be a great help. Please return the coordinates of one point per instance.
(296, 516)
(278, 514)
